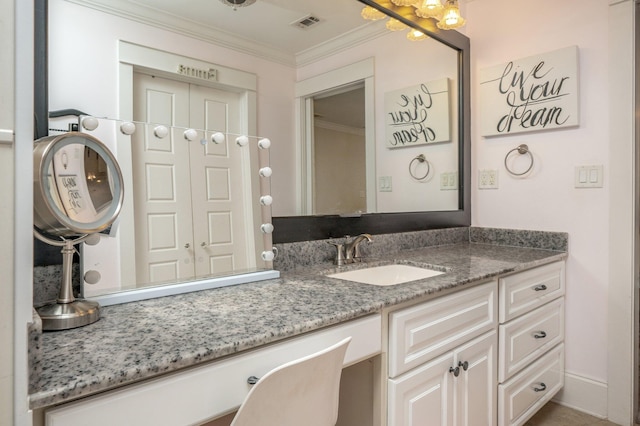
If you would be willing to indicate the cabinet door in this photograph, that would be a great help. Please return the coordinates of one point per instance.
(476, 384)
(423, 396)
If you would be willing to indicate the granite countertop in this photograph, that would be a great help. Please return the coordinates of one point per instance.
(139, 340)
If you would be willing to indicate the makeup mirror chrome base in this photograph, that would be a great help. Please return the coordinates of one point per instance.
(67, 312)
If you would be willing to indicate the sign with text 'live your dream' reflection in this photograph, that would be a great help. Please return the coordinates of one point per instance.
(535, 93)
(418, 115)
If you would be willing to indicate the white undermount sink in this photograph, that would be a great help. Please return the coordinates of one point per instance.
(387, 274)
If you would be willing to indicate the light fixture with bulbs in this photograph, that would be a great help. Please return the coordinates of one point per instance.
(372, 14)
(447, 16)
(451, 18)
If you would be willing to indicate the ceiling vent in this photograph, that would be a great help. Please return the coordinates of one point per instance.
(306, 22)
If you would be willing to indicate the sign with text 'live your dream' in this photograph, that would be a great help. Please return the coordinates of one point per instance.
(418, 115)
(535, 93)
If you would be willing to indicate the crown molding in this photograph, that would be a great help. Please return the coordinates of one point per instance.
(159, 19)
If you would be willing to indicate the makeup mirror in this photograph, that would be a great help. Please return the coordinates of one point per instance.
(78, 192)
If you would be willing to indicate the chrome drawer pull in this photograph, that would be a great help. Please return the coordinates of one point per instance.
(464, 365)
(540, 335)
(455, 371)
(542, 387)
(540, 287)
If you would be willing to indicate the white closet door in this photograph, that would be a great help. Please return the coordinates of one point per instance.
(221, 213)
(162, 189)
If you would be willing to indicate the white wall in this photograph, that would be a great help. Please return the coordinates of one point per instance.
(83, 75)
(6, 213)
(547, 200)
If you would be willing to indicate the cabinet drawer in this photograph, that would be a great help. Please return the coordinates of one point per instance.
(524, 394)
(420, 333)
(525, 291)
(524, 339)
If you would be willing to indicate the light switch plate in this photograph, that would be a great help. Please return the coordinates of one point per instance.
(385, 184)
(589, 176)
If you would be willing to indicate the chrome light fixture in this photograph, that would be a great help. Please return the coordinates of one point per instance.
(430, 9)
(416, 35)
(395, 25)
(451, 18)
(447, 16)
(372, 14)
(404, 2)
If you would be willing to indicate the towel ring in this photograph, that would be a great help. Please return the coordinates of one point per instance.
(420, 159)
(522, 150)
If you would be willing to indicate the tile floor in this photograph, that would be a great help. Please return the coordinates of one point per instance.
(553, 414)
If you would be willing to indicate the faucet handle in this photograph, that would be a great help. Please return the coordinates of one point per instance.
(339, 260)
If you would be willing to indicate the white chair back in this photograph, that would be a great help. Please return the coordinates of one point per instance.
(303, 392)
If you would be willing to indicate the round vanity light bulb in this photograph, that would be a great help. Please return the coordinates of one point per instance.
(128, 128)
(92, 277)
(190, 134)
(268, 256)
(266, 228)
(242, 140)
(92, 239)
(266, 172)
(266, 200)
(161, 132)
(217, 138)
(264, 143)
(90, 123)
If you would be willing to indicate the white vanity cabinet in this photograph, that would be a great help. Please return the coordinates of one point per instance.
(531, 341)
(443, 359)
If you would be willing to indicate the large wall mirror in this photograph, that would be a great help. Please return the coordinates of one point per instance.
(300, 69)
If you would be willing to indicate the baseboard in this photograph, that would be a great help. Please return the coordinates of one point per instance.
(583, 394)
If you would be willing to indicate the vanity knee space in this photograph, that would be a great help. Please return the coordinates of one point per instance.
(493, 353)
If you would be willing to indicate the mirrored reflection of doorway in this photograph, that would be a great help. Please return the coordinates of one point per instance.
(339, 151)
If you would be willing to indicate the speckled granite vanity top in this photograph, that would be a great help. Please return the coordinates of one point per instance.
(139, 340)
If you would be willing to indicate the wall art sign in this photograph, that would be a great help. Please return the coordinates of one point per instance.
(203, 74)
(535, 93)
(418, 115)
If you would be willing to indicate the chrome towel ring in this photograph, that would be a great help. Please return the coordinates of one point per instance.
(420, 159)
(522, 150)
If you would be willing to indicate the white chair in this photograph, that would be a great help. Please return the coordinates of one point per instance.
(303, 392)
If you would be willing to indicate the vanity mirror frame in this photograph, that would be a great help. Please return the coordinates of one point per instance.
(304, 228)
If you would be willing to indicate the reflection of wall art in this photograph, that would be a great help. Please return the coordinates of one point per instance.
(418, 115)
(535, 93)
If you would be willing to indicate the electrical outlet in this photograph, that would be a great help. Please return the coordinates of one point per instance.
(488, 179)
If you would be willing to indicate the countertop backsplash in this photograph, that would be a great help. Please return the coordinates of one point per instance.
(303, 254)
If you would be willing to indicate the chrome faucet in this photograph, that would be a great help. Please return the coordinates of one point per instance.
(352, 249)
(349, 252)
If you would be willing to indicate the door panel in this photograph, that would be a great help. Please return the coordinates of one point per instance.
(476, 386)
(192, 217)
(161, 182)
(220, 216)
(423, 396)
